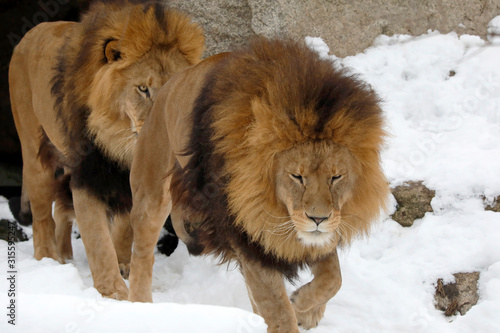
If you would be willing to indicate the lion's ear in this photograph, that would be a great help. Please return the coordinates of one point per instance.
(111, 51)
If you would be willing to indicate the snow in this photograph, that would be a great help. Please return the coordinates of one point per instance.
(441, 98)
(494, 30)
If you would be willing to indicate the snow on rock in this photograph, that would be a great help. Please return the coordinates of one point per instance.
(493, 30)
(441, 98)
(460, 295)
(319, 46)
(413, 201)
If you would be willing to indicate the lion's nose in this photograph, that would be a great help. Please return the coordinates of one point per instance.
(317, 220)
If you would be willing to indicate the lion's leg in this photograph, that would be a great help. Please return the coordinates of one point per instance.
(63, 216)
(252, 300)
(121, 232)
(151, 201)
(151, 207)
(39, 184)
(309, 301)
(147, 219)
(93, 225)
(269, 298)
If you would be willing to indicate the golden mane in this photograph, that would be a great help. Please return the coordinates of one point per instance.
(137, 28)
(285, 96)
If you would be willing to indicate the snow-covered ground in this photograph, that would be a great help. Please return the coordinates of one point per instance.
(442, 101)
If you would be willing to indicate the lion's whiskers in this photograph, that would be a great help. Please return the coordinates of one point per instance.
(339, 233)
(347, 225)
(276, 217)
(128, 129)
(281, 229)
(345, 229)
(352, 216)
(284, 241)
(127, 143)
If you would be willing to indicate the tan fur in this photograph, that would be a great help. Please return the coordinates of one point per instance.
(73, 81)
(346, 148)
(268, 296)
(267, 129)
(309, 301)
(155, 60)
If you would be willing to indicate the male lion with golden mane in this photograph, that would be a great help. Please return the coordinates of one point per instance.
(80, 92)
(268, 157)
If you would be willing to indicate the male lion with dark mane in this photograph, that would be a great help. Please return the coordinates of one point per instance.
(80, 92)
(269, 157)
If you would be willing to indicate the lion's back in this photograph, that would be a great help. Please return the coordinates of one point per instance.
(39, 47)
(30, 73)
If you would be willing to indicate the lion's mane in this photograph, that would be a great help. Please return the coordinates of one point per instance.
(99, 158)
(257, 102)
(139, 27)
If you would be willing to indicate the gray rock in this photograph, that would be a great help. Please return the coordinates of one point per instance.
(227, 23)
(10, 231)
(348, 27)
(413, 201)
(459, 296)
(493, 206)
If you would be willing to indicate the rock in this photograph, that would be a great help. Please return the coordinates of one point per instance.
(347, 27)
(493, 206)
(459, 296)
(227, 23)
(413, 201)
(10, 231)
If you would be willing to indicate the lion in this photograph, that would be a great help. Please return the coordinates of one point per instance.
(80, 92)
(269, 157)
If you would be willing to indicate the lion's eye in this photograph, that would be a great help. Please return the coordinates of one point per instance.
(298, 178)
(334, 178)
(144, 90)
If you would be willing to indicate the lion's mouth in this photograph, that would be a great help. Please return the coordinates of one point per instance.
(315, 238)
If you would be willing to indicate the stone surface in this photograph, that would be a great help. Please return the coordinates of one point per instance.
(413, 201)
(493, 206)
(9, 230)
(348, 27)
(459, 296)
(227, 23)
(10, 173)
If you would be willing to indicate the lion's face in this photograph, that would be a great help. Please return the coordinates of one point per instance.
(313, 181)
(141, 82)
(122, 96)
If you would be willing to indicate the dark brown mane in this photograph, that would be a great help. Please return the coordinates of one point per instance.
(83, 55)
(302, 96)
(138, 27)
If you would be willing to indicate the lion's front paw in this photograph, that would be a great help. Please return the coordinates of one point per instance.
(311, 318)
(117, 290)
(46, 252)
(125, 270)
(120, 295)
(65, 253)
